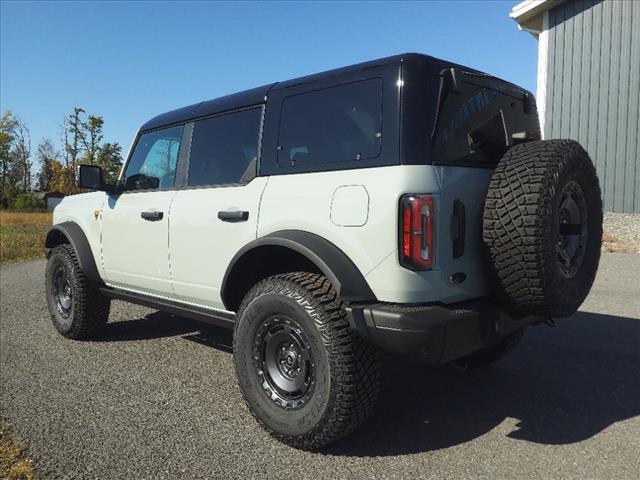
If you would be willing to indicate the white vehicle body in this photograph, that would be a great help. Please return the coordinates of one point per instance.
(184, 256)
(403, 204)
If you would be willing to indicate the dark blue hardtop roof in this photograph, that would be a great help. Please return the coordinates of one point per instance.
(258, 95)
(217, 105)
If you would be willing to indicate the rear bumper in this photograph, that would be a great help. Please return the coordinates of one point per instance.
(436, 332)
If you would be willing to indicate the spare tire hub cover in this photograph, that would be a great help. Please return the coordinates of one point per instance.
(572, 229)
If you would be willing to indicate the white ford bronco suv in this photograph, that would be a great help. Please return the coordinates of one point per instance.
(405, 204)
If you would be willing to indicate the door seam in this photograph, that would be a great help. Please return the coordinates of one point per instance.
(169, 244)
(264, 189)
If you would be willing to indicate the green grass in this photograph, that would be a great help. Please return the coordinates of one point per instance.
(22, 235)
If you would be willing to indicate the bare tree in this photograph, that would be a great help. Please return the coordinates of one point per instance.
(47, 155)
(15, 152)
(7, 126)
(73, 137)
(22, 146)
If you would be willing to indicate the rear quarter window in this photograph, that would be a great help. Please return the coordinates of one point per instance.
(335, 124)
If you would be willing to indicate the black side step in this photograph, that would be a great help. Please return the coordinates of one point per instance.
(219, 319)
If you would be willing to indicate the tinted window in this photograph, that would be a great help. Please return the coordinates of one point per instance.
(473, 124)
(224, 149)
(153, 161)
(332, 125)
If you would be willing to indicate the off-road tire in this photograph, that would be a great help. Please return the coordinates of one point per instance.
(89, 309)
(347, 378)
(490, 356)
(522, 227)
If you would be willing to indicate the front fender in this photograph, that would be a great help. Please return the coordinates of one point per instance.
(70, 232)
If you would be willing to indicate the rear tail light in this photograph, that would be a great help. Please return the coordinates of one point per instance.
(417, 235)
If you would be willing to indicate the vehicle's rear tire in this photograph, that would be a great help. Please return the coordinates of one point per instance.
(78, 309)
(488, 357)
(543, 227)
(304, 375)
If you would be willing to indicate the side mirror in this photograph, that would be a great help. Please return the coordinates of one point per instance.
(90, 177)
(140, 181)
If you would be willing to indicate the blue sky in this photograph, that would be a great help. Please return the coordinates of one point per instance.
(128, 61)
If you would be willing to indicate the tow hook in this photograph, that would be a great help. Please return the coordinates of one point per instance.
(550, 322)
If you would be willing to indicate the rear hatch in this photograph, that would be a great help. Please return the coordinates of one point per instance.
(477, 117)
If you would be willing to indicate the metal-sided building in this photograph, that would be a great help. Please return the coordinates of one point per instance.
(589, 85)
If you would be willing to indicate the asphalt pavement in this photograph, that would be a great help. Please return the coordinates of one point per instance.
(155, 397)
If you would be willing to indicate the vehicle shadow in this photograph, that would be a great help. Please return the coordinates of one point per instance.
(153, 325)
(214, 337)
(160, 325)
(560, 386)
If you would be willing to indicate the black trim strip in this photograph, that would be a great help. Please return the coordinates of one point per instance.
(218, 319)
(327, 257)
(182, 168)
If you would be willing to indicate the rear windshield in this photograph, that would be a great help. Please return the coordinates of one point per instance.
(475, 119)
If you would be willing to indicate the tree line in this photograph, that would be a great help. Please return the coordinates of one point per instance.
(51, 167)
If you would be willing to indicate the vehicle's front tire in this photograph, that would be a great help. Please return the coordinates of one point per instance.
(78, 309)
(303, 373)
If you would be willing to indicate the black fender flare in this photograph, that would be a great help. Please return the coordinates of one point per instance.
(78, 240)
(343, 274)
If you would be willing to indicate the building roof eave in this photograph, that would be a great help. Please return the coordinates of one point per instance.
(528, 14)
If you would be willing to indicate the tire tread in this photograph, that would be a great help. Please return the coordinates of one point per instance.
(90, 307)
(354, 364)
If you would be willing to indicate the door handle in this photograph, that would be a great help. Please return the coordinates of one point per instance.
(152, 216)
(233, 216)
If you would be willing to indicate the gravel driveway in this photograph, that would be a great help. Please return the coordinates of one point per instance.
(155, 397)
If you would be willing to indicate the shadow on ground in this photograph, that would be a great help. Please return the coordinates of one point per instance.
(154, 325)
(562, 385)
(161, 325)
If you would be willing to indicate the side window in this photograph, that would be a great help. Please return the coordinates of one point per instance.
(336, 124)
(224, 149)
(154, 159)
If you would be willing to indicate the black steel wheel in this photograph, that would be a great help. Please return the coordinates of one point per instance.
(77, 308)
(284, 362)
(303, 373)
(572, 232)
(62, 290)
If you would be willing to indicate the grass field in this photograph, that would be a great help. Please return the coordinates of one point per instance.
(14, 465)
(22, 235)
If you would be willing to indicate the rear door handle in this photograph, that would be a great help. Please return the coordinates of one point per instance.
(152, 216)
(233, 216)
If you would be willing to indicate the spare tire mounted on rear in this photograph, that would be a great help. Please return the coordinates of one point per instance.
(542, 227)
